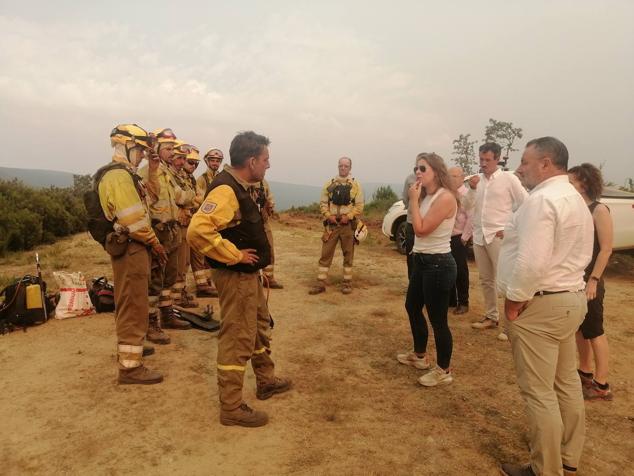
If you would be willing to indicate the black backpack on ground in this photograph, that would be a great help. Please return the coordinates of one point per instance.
(14, 312)
(102, 295)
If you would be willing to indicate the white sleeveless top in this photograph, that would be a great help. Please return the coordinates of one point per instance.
(438, 241)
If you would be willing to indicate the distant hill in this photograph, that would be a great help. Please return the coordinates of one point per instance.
(286, 194)
(38, 178)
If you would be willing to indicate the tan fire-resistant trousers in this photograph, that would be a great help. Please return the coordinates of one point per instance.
(269, 271)
(338, 234)
(487, 261)
(544, 352)
(201, 270)
(243, 336)
(163, 277)
(183, 263)
(131, 272)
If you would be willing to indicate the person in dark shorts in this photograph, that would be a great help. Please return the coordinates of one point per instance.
(592, 342)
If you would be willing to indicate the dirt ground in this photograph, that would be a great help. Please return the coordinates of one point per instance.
(353, 410)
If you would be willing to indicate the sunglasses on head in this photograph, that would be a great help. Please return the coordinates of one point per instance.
(422, 168)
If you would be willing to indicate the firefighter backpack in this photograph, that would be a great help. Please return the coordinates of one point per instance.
(22, 306)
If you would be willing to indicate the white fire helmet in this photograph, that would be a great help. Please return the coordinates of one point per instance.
(361, 233)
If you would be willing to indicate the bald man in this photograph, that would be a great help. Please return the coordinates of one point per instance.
(340, 205)
(460, 236)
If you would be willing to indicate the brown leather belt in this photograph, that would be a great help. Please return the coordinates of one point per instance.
(546, 293)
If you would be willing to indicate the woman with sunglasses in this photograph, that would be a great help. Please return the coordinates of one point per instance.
(433, 207)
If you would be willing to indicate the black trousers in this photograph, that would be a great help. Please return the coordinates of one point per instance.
(432, 281)
(409, 244)
(460, 296)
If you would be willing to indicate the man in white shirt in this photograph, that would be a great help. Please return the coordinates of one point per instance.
(495, 194)
(546, 247)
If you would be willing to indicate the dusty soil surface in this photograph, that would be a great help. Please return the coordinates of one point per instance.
(353, 410)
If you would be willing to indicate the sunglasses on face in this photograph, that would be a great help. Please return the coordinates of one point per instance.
(422, 168)
(193, 163)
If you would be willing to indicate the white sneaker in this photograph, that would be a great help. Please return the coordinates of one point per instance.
(436, 376)
(414, 360)
(503, 337)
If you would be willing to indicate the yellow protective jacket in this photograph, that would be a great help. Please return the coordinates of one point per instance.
(170, 195)
(353, 210)
(193, 199)
(203, 182)
(220, 210)
(123, 205)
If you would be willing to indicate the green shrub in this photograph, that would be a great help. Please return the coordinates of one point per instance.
(30, 216)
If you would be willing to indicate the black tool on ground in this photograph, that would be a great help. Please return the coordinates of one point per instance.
(200, 320)
(101, 294)
(42, 288)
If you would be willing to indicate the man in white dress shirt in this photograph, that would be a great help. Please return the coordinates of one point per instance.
(495, 194)
(546, 247)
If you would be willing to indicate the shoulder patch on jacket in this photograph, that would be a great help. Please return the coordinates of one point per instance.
(208, 207)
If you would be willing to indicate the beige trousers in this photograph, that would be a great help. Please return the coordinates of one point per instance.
(544, 353)
(487, 261)
(201, 270)
(162, 278)
(244, 334)
(337, 234)
(183, 265)
(131, 272)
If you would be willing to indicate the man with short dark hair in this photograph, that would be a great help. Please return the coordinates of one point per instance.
(493, 197)
(229, 230)
(547, 245)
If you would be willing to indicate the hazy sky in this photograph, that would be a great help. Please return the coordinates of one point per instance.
(377, 81)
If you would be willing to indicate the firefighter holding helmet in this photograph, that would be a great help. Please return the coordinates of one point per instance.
(164, 215)
(341, 204)
(124, 200)
(187, 202)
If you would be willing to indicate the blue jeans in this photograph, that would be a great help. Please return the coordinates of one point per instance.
(431, 283)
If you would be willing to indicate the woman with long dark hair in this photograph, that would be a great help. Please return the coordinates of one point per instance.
(433, 206)
(591, 338)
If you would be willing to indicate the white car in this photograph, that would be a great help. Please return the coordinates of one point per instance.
(621, 205)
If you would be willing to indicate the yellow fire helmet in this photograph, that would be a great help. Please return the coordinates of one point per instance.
(194, 154)
(124, 133)
(164, 134)
(361, 233)
(182, 148)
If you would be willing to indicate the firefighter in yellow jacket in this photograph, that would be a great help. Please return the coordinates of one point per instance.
(341, 204)
(229, 230)
(191, 200)
(123, 198)
(266, 201)
(202, 275)
(164, 215)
